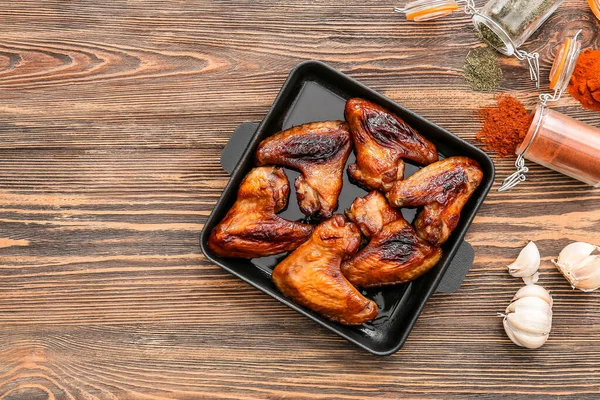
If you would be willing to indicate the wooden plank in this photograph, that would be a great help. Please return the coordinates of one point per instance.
(111, 127)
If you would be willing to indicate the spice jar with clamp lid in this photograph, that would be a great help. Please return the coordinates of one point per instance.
(561, 143)
(507, 24)
(555, 140)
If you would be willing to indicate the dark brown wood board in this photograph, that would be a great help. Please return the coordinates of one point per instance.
(112, 121)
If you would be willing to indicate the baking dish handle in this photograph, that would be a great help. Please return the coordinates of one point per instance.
(460, 265)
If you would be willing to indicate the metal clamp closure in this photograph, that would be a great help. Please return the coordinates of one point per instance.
(533, 59)
(519, 176)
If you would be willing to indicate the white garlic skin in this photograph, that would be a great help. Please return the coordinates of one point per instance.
(579, 266)
(527, 264)
(575, 253)
(528, 318)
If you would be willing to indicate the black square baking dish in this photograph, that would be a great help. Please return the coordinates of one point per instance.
(316, 92)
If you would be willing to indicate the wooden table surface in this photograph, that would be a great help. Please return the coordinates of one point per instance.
(112, 120)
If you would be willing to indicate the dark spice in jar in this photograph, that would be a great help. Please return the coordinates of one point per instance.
(488, 36)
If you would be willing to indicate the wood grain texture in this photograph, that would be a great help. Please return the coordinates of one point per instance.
(112, 120)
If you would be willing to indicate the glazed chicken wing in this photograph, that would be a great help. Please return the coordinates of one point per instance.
(371, 213)
(395, 253)
(443, 188)
(319, 150)
(311, 275)
(251, 228)
(382, 140)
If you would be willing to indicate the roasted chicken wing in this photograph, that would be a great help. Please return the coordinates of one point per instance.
(311, 275)
(319, 151)
(442, 188)
(371, 213)
(395, 253)
(251, 228)
(382, 140)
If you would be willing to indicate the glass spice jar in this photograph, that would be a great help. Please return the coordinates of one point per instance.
(563, 144)
(555, 140)
(507, 24)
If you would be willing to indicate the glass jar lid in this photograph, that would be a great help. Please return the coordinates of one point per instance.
(520, 175)
(595, 6)
(564, 64)
(427, 10)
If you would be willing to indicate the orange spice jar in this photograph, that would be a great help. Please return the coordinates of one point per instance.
(563, 144)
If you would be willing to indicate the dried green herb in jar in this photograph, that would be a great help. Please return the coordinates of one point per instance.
(488, 36)
(481, 70)
(514, 16)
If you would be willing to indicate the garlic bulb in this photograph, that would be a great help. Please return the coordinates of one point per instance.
(579, 266)
(528, 318)
(527, 264)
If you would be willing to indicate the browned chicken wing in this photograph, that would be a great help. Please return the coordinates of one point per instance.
(251, 228)
(395, 253)
(319, 150)
(443, 188)
(311, 274)
(382, 140)
(371, 213)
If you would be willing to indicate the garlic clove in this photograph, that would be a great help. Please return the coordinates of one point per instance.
(534, 291)
(527, 263)
(511, 334)
(528, 318)
(586, 274)
(530, 303)
(574, 253)
(579, 267)
(535, 321)
(523, 339)
(533, 341)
